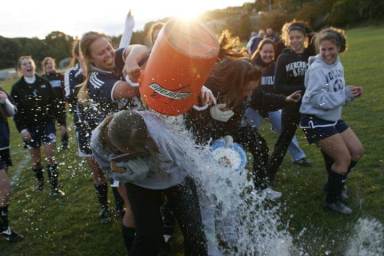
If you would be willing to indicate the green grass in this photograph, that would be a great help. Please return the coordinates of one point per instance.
(71, 226)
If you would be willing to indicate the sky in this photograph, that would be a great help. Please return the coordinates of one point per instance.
(37, 18)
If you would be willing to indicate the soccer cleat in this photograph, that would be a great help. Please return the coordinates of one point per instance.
(339, 207)
(344, 193)
(57, 193)
(303, 162)
(40, 185)
(11, 235)
(271, 194)
(105, 216)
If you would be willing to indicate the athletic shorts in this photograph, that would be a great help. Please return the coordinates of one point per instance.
(316, 129)
(5, 159)
(45, 134)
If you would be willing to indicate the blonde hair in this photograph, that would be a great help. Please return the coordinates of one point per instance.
(85, 51)
(230, 47)
(21, 59)
(44, 63)
(156, 27)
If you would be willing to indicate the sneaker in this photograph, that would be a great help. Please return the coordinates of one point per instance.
(303, 162)
(11, 235)
(105, 216)
(339, 207)
(271, 194)
(344, 193)
(40, 185)
(57, 193)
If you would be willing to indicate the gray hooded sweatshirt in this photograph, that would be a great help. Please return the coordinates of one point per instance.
(160, 170)
(325, 89)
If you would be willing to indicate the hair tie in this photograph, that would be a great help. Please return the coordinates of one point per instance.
(296, 27)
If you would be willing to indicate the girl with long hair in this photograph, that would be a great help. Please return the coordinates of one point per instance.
(321, 108)
(264, 58)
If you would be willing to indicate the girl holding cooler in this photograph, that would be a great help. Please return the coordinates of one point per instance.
(325, 95)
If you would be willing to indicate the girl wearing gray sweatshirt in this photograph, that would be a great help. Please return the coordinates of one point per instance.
(325, 95)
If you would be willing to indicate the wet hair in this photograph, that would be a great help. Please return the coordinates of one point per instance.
(44, 63)
(85, 50)
(230, 47)
(335, 35)
(231, 78)
(256, 54)
(151, 32)
(294, 25)
(127, 130)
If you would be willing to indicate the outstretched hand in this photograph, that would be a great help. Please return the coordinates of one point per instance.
(294, 97)
(357, 91)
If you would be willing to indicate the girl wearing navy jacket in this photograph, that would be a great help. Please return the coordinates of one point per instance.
(73, 79)
(37, 111)
(105, 92)
(264, 58)
(6, 109)
(49, 72)
(291, 66)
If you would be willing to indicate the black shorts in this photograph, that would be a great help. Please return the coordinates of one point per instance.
(316, 129)
(45, 134)
(5, 159)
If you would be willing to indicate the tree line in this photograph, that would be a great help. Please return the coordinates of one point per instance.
(273, 13)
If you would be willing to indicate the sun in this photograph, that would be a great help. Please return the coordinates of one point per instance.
(188, 11)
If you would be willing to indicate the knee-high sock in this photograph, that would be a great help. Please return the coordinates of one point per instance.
(119, 202)
(53, 176)
(335, 186)
(128, 236)
(4, 218)
(351, 165)
(38, 170)
(102, 194)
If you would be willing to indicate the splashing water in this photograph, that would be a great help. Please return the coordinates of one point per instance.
(367, 238)
(237, 219)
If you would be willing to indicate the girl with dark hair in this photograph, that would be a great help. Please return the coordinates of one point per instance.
(289, 77)
(56, 79)
(326, 93)
(264, 58)
(37, 110)
(6, 109)
(139, 149)
(234, 82)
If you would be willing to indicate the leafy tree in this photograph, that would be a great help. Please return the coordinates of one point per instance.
(58, 45)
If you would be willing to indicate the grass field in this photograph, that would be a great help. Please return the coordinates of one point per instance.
(71, 226)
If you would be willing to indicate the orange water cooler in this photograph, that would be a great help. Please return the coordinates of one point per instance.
(179, 64)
